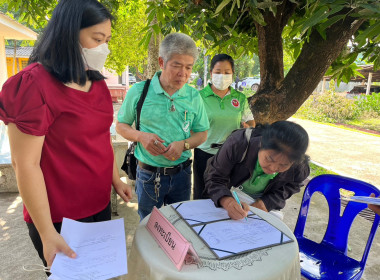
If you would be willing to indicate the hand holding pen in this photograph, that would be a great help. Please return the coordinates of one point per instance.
(238, 201)
(235, 210)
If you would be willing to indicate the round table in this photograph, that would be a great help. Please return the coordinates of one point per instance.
(147, 260)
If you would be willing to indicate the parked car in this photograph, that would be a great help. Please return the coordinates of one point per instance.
(132, 79)
(251, 82)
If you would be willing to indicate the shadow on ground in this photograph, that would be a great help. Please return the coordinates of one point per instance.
(17, 250)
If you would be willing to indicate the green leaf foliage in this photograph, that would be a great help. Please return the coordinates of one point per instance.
(36, 13)
(126, 29)
(124, 46)
(229, 26)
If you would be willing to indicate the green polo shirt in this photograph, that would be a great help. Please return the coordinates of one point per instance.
(224, 114)
(256, 185)
(156, 117)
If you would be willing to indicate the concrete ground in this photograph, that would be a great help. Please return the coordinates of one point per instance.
(16, 249)
(346, 152)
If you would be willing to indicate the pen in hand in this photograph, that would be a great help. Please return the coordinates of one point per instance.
(238, 201)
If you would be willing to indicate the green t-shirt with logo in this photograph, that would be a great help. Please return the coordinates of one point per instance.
(224, 114)
(158, 118)
(258, 181)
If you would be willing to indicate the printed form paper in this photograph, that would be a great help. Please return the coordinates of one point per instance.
(363, 199)
(100, 248)
(226, 237)
(201, 211)
(231, 237)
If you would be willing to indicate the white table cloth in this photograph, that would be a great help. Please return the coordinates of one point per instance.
(147, 260)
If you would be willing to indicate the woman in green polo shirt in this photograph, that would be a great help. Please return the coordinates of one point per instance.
(227, 109)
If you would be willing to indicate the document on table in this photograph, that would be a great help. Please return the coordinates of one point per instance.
(363, 199)
(232, 237)
(226, 237)
(201, 211)
(100, 248)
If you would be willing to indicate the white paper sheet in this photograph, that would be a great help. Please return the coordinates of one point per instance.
(100, 248)
(201, 211)
(363, 199)
(231, 237)
(224, 236)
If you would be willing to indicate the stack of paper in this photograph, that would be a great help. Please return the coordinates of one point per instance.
(100, 248)
(363, 199)
(226, 237)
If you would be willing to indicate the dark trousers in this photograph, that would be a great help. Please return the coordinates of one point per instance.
(104, 215)
(199, 167)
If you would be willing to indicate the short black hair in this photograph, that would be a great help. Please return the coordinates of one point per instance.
(285, 137)
(222, 57)
(58, 48)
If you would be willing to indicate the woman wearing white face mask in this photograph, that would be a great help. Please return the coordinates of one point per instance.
(227, 109)
(59, 112)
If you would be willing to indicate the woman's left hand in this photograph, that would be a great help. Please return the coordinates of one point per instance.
(123, 190)
(374, 208)
(260, 205)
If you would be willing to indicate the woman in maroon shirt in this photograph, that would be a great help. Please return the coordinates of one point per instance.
(59, 112)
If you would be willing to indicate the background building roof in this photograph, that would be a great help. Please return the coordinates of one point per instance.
(365, 70)
(20, 51)
(13, 30)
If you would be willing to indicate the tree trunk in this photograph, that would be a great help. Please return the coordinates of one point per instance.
(270, 54)
(279, 98)
(153, 49)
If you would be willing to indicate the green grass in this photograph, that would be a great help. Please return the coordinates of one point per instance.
(370, 123)
(316, 170)
(359, 124)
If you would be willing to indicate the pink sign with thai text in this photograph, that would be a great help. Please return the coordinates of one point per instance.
(170, 240)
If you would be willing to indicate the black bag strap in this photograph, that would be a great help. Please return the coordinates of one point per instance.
(140, 103)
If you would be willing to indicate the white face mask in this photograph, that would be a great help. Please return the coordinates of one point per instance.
(95, 58)
(221, 81)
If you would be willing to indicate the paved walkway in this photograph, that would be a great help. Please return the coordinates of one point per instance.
(348, 153)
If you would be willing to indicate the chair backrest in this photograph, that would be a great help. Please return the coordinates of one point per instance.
(338, 227)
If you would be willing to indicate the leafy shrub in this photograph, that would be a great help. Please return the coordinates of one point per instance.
(308, 111)
(328, 107)
(369, 103)
(363, 111)
(336, 107)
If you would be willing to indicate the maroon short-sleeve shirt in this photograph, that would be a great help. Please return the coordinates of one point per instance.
(77, 156)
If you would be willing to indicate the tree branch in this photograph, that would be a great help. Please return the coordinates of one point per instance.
(270, 53)
(287, 10)
(316, 56)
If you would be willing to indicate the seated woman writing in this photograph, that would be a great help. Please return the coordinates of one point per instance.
(270, 167)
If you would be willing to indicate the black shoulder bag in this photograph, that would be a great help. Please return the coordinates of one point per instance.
(130, 161)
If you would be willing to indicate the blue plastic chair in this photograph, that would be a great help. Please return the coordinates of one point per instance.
(328, 259)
